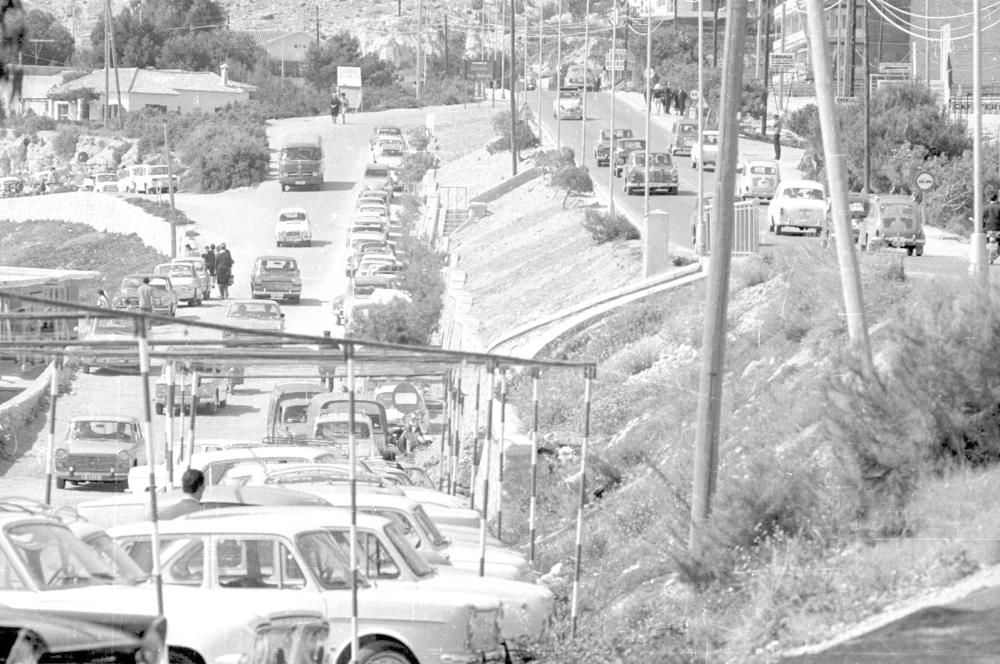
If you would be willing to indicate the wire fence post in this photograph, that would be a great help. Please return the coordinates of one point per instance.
(473, 472)
(352, 451)
(456, 435)
(503, 430)
(533, 500)
(195, 379)
(147, 424)
(588, 377)
(171, 376)
(443, 457)
(488, 454)
(51, 443)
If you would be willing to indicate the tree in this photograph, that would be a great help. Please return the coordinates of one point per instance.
(205, 50)
(41, 25)
(573, 180)
(340, 50)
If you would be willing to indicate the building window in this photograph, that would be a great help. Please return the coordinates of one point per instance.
(62, 111)
(160, 108)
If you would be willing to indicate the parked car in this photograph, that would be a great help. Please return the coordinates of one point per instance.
(798, 204)
(757, 178)
(662, 173)
(164, 297)
(102, 183)
(287, 408)
(213, 389)
(893, 221)
(119, 356)
(251, 317)
(706, 149)
(147, 179)
(226, 556)
(385, 131)
(622, 148)
(377, 176)
(389, 152)
(336, 428)
(99, 448)
(276, 277)
(684, 135)
(857, 208)
(602, 146)
(568, 105)
(184, 279)
(293, 227)
(201, 272)
(11, 186)
(331, 402)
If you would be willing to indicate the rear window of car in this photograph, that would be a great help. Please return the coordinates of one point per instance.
(292, 216)
(376, 172)
(763, 170)
(271, 265)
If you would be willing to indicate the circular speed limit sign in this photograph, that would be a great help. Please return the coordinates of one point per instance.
(925, 181)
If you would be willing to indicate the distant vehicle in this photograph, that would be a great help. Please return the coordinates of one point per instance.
(335, 427)
(602, 146)
(293, 228)
(104, 330)
(213, 389)
(893, 221)
(276, 277)
(99, 448)
(184, 279)
(300, 162)
(385, 131)
(164, 297)
(362, 298)
(204, 278)
(253, 317)
(622, 148)
(799, 204)
(757, 178)
(706, 150)
(147, 179)
(11, 186)
(684, 136)
(662, 173)
(286, 409)
(581, 78)
(377, 176)
(329, 402)
(390, 152)
(101, 183)
(857, 209)
(568, 105)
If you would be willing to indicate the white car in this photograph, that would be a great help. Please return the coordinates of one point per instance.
(757, 178)
(293, 227)
(390, 152)
(799, 204)
(568, 105)
(286, 563)
(185, 280)
(105, 183)
(706, 149)
(147, 179)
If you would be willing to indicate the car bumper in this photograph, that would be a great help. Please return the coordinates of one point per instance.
(291, 294)
(294, 239)
(92, 476)
(300, 179)
(899, 242)
(472, 658)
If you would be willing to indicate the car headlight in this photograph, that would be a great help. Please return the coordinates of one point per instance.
(62, 459)
(124, 459)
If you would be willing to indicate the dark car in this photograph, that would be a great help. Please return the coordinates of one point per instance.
(276, 277)
(602, 146)
(662, 172)
(164, 297)
(623, 146)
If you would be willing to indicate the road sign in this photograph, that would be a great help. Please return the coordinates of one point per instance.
(846, 100)
(782, 62)
(349, 77)
(925, 181)
(405, 398)
(694, 95)
(481, 70)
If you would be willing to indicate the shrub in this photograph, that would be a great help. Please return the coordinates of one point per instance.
(572, 179)
(418, 138)
(395, 95)
(447, 91)
(804, 121)
(551, 161)
(64, 143)
(603, 228)
(525, 137)
(222, 156)
(392, 323)
(416, 165)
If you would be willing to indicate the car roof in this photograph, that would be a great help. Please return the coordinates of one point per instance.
(227, 522)
(296, 210)
(788, 184)
(104, 418)
(367, 498)
(328, 515)
(893, 198)
(277, 258)
(262, 452)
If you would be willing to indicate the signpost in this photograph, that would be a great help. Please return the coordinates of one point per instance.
(349, 82)
(618, 60)
(782, 62)
(405, 398)
(925, 182)
(481, 70)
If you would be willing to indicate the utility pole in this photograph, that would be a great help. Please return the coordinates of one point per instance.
(760, 25)
(715, 33)
(699, 200)
(586, 80)
(107, 62)
(768, 22)
(614, 75)
(114, 62)
(538, 83)
(498, 37)
(317, 25)
(513, 95)
(852, 28)
(706, 453)
(836, 172)
(648, 73)
(978, 266)
(170, 188)
(446, 44)
(866, 169)
(559, 76)
(420, 42)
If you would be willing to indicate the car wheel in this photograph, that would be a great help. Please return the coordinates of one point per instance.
(60, 483)
(382, 652)
(919, 251)
(694, 164)
(193, 302)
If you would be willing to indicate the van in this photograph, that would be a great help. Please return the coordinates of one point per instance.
(300, 162)
(338, 403)
(147, 179)
(284, 405)
(684, 136)
(893, 221)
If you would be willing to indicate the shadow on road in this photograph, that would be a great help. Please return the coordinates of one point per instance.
(338, 186)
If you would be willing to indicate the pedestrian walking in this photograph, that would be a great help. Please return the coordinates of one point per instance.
(334, 106)
(209, 258)
(224, 269)
(145, 295)
(344, 105)
(102, 300)
(777, 137)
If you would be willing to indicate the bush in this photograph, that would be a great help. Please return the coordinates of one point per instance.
(418, 138)
(804, 121)
(551, 161)
(603, 228)
(416, 165)
(222, 156)
(64, 144)
(525, 137)
(395, 95)
(572, 179)
(447, 91)
(391, 323)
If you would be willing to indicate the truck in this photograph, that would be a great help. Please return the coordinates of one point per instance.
(300, 162)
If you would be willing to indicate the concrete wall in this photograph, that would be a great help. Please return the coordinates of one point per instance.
(20, 410)
(104, 212)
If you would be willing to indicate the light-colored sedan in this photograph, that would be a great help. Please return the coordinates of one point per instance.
(706, 150)
(799, 204)
(757, 178)
(185, 280)
(293, 227)
(204, 278)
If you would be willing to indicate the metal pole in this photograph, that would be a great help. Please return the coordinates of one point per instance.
(699, 201)
(586, 79)
(170, 189)
(458, 404)
(51, 446)
(852, 28)
(503, 433)
(183, 423)
(836, 169)
(649, 107)
(353, 474)
(927, 44)
(538, 83)
(445, 432)
(614, 75)
(114, 64)
(714, 336)
(195, 379)
(171, 376)
(533, 500)
(588, 377)
(474, 471)
(558, 76)
(978, 266)
(760, 26)
(107, 60)
(488, 453)
(147, 426)
(866, 185)
(513, 95)
(420, 55)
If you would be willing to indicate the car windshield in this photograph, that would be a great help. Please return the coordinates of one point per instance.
(857, 209)
(158, 170)
(687, 129)
(897, 212)
(763, 170)
(301, 154)
(292, 216)
(253, 310)
(429, 527)
(416, 562)
(392, 152)
(373, 172)
(326, 561)
(55, 558)
(175, 270)
(115, 558)
(655, 159)
(294, 413)
(105, 177)
(711, 139)
(278, 265)
(338, 430)
(807, 193)
(101, 430)
(123, 326)
(631, 144)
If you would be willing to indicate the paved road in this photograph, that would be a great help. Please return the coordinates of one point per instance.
(244, 219)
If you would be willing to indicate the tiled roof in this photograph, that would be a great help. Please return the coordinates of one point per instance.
(155, 81)
(265, 37)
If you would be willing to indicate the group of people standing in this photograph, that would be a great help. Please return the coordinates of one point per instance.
(667, 100)
(219, 263)
(338, 106)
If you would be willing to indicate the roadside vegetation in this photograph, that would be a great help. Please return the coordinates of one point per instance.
(837, 494)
